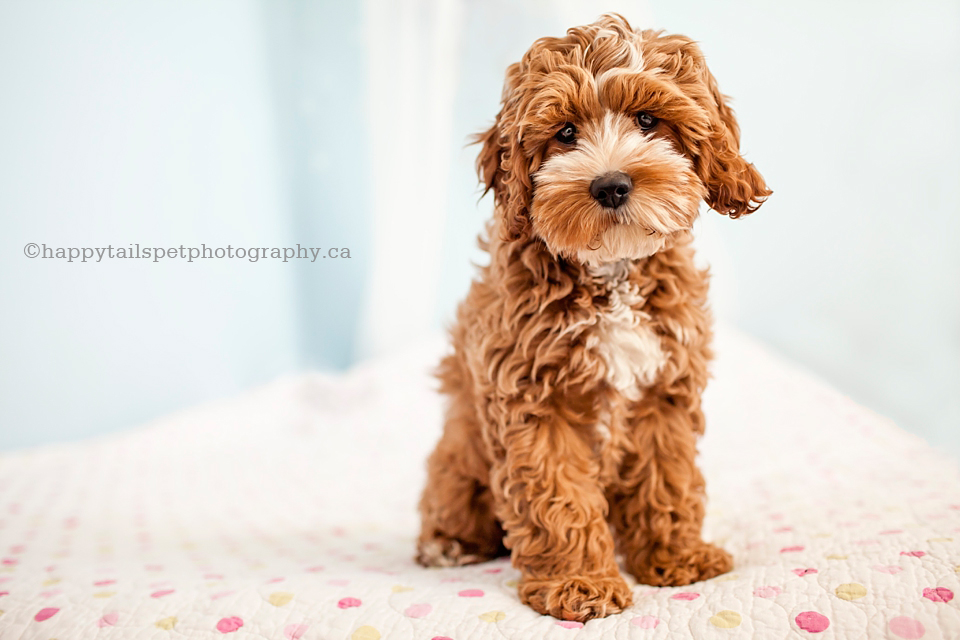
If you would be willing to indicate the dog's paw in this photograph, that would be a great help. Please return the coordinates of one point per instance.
(578, 598)
(677, 567)
(446, 552)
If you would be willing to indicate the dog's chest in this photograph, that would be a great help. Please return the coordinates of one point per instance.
(623, 335)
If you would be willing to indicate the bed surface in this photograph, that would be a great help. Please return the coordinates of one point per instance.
(289, 513)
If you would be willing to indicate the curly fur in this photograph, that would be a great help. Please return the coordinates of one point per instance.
(580, 353)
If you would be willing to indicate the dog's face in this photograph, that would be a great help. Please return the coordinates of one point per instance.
(607, 142)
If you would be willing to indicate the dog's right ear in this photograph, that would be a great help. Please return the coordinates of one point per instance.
(502, 166)
(488, 162)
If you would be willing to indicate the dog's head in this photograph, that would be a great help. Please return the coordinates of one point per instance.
(607, 141)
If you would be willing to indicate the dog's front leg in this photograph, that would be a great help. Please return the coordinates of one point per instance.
(658, 512)
(553, 510)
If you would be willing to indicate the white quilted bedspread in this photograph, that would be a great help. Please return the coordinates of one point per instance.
(290, 513)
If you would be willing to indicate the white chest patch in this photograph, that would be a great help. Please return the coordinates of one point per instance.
(623, 336)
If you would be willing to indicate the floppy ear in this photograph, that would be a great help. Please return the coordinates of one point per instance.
(488, 162)
(502, 168)
(734, 186)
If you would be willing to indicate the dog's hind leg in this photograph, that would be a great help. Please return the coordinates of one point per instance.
(458, 523)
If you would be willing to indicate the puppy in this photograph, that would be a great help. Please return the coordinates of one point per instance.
(580, 353)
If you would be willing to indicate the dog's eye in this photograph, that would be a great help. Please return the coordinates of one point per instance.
(567, 133)
(646, 121)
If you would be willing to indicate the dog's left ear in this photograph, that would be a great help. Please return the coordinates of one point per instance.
(734, 186)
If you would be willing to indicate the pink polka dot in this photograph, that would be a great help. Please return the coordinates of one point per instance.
(9, 562)
(812, 621)
(497, 570)
(767, 592)
(645, 622)
(441, 638)
(338, 583)
(314, 569)
(4, 593)
(346, 603)
(908, 628)
(913, 554)
(938, 594)
(891, 569)
(569, 624)
(685, 595)
(418, 610)
(891, 532)
(45, 614)
(792, 549)
(221, 594)
(103, 583)
(804, 572)
(229, 625)
(161, 593)
(294, 631)
(471, 593)
(108, 620)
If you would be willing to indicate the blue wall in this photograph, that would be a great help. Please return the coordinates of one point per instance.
(248, 123)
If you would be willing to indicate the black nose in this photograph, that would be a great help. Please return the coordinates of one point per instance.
(611, 189)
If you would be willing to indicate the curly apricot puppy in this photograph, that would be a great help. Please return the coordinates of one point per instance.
(581, 352)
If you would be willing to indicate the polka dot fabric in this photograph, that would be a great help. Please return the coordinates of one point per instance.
(290, 513)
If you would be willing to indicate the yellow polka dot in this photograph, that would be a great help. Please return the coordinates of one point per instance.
(399, 588)
(51, 581)
(167, 623)
(726, 619)
(280, 598)
(511, 583)
(836, 556)
(850, 591)
(727, 578)
(940, 540)
(822, 535)
(104, 594)
(493, 616)
(366, 632)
